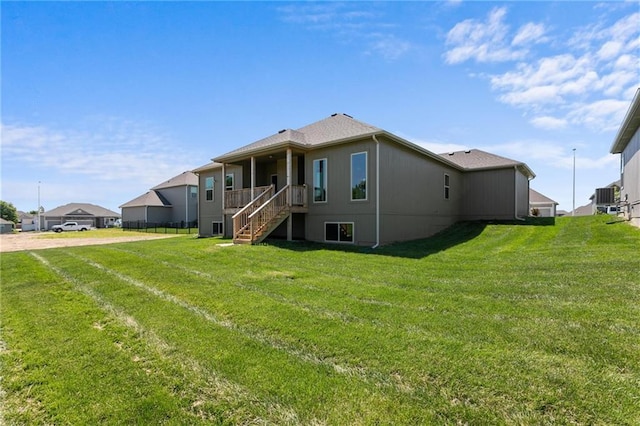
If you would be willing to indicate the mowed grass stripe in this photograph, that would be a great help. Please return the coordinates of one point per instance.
(467, 330)
(61, 367)
(210, 397)
(316, 386)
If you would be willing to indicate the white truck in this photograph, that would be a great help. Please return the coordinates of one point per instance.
(70, 226)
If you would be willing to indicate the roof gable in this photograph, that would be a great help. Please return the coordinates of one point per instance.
(84, 209)
(536, 197)
(337, 127)
(475, 159)
(149, 199)
(183, 179)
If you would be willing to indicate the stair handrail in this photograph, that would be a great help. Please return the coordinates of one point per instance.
(241, 218)
(267, 211)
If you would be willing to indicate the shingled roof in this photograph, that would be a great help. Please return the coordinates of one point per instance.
(334, 129)
(475, 159)
(537, 198)
(183, 179)
(80, 209)
(151, 198)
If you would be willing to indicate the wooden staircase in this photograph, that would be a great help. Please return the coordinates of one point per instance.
(259, 218)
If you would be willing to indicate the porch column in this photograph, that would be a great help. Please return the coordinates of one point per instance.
(290, 218)
(253, 177)
(222, 184)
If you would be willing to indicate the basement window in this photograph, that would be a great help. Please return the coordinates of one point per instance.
(340, 232)
(216, 228)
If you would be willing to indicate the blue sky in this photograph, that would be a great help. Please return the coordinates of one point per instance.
(103, 100)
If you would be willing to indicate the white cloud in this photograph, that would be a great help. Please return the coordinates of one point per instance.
(549, 123)
(114, 149)
(388, 46)
(590, 84)
(486, 41)
(351, 24)
(529, 32)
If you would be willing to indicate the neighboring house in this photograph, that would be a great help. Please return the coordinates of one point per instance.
(345, 181)
(172, 203)
(6, 226)
(605, 198)
(544, 205)
(627, 144)
(28, 222)
(586, 210)
(83, 213)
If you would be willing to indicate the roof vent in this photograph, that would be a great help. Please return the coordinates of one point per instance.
(334, 114)
(347, 115)
(282, 131)
(451, 153)
(467, 151)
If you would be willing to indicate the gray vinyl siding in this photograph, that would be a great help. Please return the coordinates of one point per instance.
(489, 194)
(413, 203)
(339, 207)
(184, 208)
(159, 214)
(522, 195)
(631, 177)
(131, 214)
(209, 211)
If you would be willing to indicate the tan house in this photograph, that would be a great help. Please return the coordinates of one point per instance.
(344, 181)
(83, 213)
(627, 144)
(541, 205)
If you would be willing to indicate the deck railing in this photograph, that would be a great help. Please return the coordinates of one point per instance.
(299, 195)
(239, 198)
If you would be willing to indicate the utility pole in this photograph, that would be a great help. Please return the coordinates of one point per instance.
(39, 225)
(573, 212)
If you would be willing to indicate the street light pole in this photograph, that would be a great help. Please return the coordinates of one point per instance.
(573, 212)
(39, 226)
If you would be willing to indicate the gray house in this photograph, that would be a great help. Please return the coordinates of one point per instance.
(344, 181)
(627, 144)
(6, 226)
(171, 203)
(83, 213)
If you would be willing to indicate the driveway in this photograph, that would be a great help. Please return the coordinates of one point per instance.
(35, 241)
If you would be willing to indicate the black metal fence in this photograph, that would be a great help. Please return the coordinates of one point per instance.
(161, 227)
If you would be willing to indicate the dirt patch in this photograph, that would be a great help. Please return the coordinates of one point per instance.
(34, 241)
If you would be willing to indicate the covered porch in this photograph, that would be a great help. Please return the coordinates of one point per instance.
(263, 191)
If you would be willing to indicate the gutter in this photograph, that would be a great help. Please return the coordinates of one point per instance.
(515, 195)
(377, 192)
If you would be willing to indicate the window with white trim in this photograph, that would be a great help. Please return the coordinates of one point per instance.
(446, 186)
(341, 232)
(228, 182)
(320, 180)
(208, 188)
(359, 176)
(216, 228)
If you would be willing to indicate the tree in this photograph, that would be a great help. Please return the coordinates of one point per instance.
(8, 212)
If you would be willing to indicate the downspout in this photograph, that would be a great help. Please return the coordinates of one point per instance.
(377, 192)
(515, 201)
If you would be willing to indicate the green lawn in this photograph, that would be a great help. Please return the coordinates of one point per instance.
(536, 323)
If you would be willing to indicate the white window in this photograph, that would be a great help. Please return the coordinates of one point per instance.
(216, 228)
(341, 232)
(320, 180)
(359, 176)
(194, 192)
(208, 188)
(446, 186)
(228, 182)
